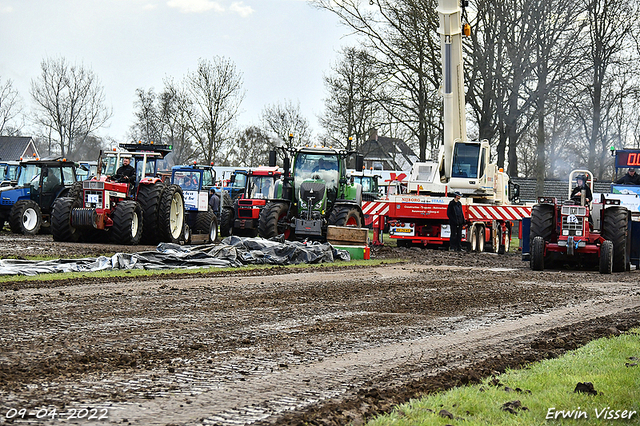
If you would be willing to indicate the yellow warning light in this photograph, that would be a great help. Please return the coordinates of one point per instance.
(501, 170)
(466, 30)
(34, 154)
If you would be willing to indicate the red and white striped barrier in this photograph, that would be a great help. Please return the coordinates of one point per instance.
(481, 212)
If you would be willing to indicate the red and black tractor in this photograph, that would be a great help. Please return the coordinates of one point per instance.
(242, 218)
(579, 232)
(146, 210)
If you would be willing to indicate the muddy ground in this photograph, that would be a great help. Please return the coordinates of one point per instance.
(326, 346)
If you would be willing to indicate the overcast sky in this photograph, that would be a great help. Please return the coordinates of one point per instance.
(282, 47)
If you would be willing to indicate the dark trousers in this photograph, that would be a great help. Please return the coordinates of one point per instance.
(455, 240)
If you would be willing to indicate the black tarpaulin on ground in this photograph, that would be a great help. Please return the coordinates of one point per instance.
(232, 252)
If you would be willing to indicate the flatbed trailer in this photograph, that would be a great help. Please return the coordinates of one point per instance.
(422, 220)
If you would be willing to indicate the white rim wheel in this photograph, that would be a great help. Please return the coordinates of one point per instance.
(176, 215)
(29, 219)
(134, 225)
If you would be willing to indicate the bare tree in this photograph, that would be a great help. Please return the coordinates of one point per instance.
(70, 101)
(403, 35)
(350, 107)
(10, 108)
(214, 92)
(251, 148)
(611, 32)
(286, 119)
(557, 60)
(163, 118)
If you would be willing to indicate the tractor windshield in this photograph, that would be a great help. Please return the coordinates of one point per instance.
(187, 180)
(366, 182)
(110, 165)
(260, 187)
(29, 175)
(318, 167)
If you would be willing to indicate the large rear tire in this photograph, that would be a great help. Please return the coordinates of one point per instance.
(171, 215)
(606, 257)
(128, 221)
(61, 227)
(149, 199)
(346, 216)
(542, 222)
(25, 218)
(273, 220)
(537, 254)
(615, 229)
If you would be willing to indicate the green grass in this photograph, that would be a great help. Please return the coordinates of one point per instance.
(196, 271)
(551, 384)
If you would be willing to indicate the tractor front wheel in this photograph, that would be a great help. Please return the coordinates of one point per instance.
(226, 221)
(346, 216)
(25, 218)
(542, 221)
(273, 221)
(606, 257)
(61, 227)
(127, 223)
(537, 254)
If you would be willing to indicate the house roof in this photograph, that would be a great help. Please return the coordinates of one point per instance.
(392, 150)
(553, 188)
(14, 147)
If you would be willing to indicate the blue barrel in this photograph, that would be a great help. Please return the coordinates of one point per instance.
(526, 227)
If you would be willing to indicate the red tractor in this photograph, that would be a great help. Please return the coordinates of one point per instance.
(580, 233)
(242, 218)
(147, 210)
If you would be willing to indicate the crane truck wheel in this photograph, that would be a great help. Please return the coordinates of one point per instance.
(537, 254)
(606, 257)
(226, 221)
(273, 221)
(61, 227)
(479, 232)
(542, 221)
(128, 222)
(171, 215)
(25, 218)
(614, 228)
(346, 216)
(149, 199)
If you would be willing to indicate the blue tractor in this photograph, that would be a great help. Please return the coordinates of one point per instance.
(202, 202)
(28, 204)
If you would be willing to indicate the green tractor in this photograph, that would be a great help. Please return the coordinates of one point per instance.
(314, 194)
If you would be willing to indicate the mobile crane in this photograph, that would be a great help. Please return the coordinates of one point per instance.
(461, 165)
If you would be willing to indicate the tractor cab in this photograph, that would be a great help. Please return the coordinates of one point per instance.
(201, 202)
(370, 185)
(28, 204)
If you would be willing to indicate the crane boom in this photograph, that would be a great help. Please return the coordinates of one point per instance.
(450, 31)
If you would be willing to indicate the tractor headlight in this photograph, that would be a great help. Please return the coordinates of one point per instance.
(565, 232)
(579, 233)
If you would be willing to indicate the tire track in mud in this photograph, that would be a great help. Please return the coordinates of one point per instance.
(240, 350)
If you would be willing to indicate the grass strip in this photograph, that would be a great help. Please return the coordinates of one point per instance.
(543, 393)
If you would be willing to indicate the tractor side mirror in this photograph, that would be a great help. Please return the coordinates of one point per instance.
(272, 158)
(286, 165)
(359, 162)
(232, 178)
